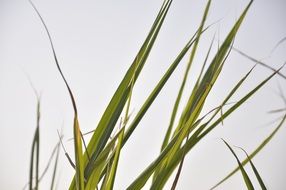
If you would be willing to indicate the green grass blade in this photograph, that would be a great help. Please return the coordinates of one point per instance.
(178, 99)
(157, 90)
(243, 172)
(254, 153)
(101, 163)
(114, 109)
(261, 183)
(177, 102)
(111, 177)
(238, 104)
(194, 106)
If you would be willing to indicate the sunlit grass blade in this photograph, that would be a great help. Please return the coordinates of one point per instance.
(178, 99)
(101, 163)
(254, 153)
(261, 183)
(111, 175)
(181, 89)
(247, 181)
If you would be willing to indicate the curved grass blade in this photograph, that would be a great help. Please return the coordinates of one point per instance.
(76, 129)
(261, 183)
(254, 153)
(243, 172)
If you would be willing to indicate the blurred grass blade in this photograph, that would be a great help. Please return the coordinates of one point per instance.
(55, 166)
(258, 62)
(244, 174)
(35, 154)
(261, 183)
(253, 154)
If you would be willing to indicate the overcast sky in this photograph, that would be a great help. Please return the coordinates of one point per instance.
(96, 42)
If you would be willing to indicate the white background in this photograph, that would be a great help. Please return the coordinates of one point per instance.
(96, 42)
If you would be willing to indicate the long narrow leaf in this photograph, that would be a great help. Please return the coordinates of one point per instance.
(261, 183)
(254, 153)
(243, 172)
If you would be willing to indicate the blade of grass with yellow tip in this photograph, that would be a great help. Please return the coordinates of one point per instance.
(247, 181)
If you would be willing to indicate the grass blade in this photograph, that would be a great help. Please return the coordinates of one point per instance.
(254, 153)
(262, 185)
(114, 109)
(243, 172)
(35, 153)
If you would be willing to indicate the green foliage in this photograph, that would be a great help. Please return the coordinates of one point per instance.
(96, 165)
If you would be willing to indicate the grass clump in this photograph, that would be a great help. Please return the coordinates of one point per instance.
(96, 161)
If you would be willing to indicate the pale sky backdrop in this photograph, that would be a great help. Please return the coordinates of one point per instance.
(96, 42)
